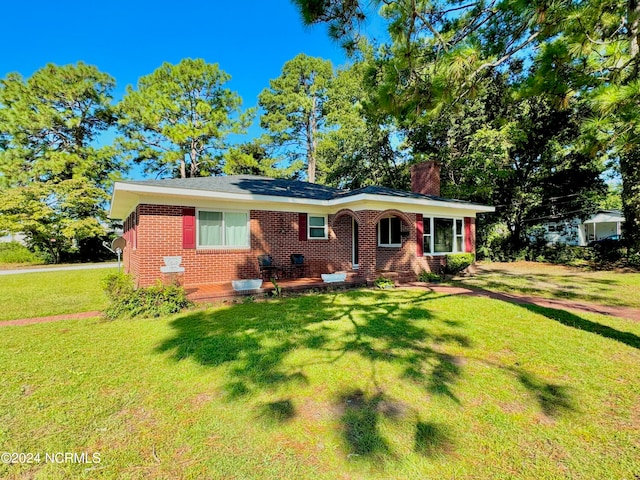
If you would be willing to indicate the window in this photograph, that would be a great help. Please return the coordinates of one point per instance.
(223, 229)
(459, 235)
(389, 232)
(317, 226)
(426, 228)
(443, 241)
(443, 235)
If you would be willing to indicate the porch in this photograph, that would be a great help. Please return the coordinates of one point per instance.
(213, 292)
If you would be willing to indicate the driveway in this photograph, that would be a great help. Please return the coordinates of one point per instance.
(85, 266)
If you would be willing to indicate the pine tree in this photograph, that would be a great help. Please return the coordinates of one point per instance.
(178, 119)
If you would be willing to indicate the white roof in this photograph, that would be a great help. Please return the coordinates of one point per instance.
(609, 216)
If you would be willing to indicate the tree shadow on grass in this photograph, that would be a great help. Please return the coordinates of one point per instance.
(571, 287)
(572, 320)
(432, 439)
(278, 411)
(553, 399)
(260, 347)
(359, 418)
(254, 340)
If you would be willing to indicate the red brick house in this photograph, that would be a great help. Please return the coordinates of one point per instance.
(219, 225)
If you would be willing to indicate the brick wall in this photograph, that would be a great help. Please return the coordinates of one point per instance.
(425, 178)
(404, 258)
(130, 256)
(159, 233)
(158, 229)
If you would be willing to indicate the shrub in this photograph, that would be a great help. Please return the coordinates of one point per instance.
(457, 262)
(425, 276)
(566, 254)
(634, 260)
(277, 289)
(126, 301)
(14, 252)
(383, 282)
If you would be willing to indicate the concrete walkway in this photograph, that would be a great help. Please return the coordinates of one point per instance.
(52, 318)
(84, 266)
(557, 304)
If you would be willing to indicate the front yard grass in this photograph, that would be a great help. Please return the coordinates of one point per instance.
(40, 294)
(363, 384)
(558, 281)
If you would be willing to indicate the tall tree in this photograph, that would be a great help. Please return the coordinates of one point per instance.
(293, 108)
(178, 119)
(440, 51)
(518, 153)
(53, 179)
(357, 146)
(255, 158)
(601, 39)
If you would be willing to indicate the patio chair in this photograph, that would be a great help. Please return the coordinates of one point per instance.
(298, 267)
(268, 269)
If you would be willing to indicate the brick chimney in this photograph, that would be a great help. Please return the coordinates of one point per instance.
(425, 178)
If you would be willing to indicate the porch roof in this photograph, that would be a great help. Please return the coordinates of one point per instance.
(606, 216)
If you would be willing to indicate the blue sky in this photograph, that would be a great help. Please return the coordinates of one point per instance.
(250, 40)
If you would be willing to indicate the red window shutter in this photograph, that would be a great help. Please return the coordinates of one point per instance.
(419, 235)
(188, 228)
(134, 221)
(469, 237)
(302, 227)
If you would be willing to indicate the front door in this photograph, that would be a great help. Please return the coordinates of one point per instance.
(354, 244)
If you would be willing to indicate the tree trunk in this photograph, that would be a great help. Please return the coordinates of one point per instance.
(312, 126)
(630, 159)
(194, 160)
(633, 15)
(183, 168)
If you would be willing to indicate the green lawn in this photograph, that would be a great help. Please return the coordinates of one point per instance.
(557, 281)
(51, 293)
(364, 384)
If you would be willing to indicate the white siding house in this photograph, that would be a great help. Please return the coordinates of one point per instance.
(574, 232)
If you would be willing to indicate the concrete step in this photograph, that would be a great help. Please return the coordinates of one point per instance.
(401, 276)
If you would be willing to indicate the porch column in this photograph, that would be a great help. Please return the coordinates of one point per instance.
(367, 244)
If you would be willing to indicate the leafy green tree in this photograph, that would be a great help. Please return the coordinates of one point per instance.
(602, 41)
(613, 200)
(54, 216)
(293, 109)
(357, 146)
(53, 179)
(178, 119)
(519, 154)
(253, 158)
(440, 51)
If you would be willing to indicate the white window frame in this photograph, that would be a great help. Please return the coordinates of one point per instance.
(223, 246)
(456, 235)
(389, 245)
(309, 226)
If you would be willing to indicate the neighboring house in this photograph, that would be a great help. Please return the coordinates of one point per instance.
(219, 225)
(14, 237)
(574, 232)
